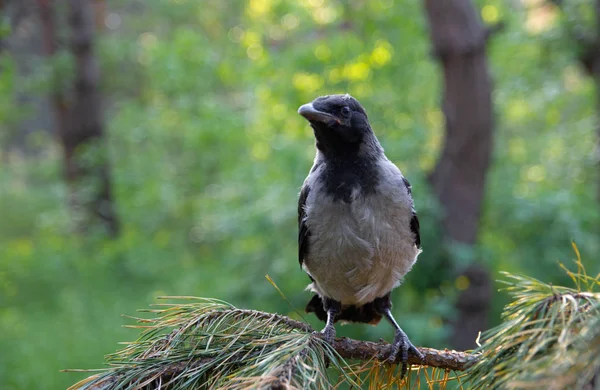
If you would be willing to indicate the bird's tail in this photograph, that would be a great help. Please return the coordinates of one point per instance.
(351, 313)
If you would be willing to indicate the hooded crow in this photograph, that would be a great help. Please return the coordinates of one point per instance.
(358, 229)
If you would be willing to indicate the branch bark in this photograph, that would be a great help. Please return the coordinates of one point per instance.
(367, 350)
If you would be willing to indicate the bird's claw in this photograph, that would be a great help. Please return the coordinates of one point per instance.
(400, 350)
(328, 334)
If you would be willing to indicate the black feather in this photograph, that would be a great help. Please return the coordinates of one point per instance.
(342, 178)
(366, 313)
(414, 221)
(408, 186)
(415, 229)
(303, 232)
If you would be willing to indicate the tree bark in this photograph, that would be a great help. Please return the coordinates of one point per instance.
(459, 41)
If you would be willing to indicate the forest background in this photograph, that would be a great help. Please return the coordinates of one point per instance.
(198, 155)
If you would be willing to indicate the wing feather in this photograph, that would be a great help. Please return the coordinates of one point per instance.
(303, 232)
(414, 221)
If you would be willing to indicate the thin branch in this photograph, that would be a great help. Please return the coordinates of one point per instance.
(367, 350)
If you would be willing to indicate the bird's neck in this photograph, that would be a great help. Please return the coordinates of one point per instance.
(345, 178)
(338, 151)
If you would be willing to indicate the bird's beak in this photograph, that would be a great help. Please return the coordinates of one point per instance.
(313, 115)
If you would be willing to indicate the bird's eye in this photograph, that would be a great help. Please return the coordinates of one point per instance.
(345, 111)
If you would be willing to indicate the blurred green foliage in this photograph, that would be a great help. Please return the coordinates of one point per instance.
(208, 155)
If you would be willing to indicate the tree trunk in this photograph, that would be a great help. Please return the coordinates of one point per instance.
(79, 120)
(50, 45)
(84, 141)
(458, 180)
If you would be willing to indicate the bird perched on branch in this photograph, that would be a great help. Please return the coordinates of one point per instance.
(359, 232)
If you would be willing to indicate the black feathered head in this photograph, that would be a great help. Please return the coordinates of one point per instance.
(341, 125)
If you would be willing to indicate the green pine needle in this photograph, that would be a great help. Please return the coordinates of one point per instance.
(550, 337)
(208, 343)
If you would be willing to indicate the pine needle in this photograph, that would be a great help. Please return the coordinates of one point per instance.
(211, 344)
(272, 282)
(197, 343)
(550, 337)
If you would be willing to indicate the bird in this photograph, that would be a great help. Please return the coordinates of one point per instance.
(358, 230)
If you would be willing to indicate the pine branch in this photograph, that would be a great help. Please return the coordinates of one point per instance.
(346, 348)
(209, 343)
(550, 337)
(368, 350)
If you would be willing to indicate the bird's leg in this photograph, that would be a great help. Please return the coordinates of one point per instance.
(401, 345)
(332, 308)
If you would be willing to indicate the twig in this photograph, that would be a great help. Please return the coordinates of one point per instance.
(366, 350)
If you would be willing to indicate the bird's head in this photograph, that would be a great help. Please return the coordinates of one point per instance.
(340, 124)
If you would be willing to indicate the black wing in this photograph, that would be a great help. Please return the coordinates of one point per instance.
(414, 228)
(408, 186)
(303, 232)
(414, 221)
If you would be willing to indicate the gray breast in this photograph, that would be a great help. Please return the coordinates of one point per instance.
(360, 249)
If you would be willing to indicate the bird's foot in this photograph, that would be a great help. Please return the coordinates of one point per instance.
(400, 350)
(328, 333)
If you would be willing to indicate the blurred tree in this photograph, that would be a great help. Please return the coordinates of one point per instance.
(99, 7)
(85, 129)
(24, 46)
(582, 25)
(458, 179)
(79, 119)
(49, 39)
